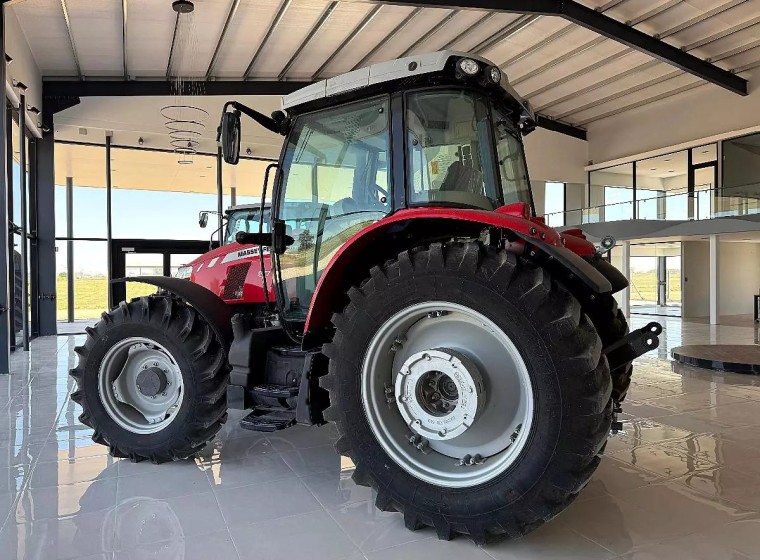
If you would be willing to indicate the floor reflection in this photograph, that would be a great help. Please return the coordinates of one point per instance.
(684, 470)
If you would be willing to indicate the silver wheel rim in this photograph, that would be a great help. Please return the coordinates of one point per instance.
(142, 405)
(409, 357)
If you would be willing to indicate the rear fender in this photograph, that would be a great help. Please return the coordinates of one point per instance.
(386, 238)
(211, 307)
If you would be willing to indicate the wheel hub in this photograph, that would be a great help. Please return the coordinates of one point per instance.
(439, 393)
(151, 381)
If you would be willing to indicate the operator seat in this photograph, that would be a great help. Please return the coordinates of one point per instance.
(462, 178)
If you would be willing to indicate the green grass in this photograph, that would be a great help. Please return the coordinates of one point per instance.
(91, 292)
(91, 295)
(644, 286)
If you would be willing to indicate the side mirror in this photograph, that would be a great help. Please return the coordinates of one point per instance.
(203, 219)
(230, 137)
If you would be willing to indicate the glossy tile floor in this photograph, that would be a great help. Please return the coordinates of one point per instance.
(682, 482)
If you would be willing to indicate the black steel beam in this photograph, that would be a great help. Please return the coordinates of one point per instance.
(52, 90)
(120, 88)
(561, 127)
(606, 26)
(170, 60)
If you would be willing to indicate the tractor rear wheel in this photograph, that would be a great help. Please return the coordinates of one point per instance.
(152, 380)
(611, 325)
(469, 390)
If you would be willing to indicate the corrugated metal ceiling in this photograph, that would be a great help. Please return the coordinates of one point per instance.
(566, 71)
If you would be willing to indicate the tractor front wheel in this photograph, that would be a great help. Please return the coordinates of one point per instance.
(152, 380)
(469, 390)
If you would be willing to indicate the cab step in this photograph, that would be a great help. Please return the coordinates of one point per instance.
(268, 420)
(275, 391)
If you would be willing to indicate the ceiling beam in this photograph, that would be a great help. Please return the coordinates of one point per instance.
(230, 14)
(387, 39)
(124, 38)
(351, 36)
(62, 89)
(171, 49)
(606, 26)
(116, 88)
(324, 16)
(284, 5)
(432, 31)
(71, 38)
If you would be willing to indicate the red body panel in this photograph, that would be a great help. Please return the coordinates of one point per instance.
(211, 270)
(512, 217)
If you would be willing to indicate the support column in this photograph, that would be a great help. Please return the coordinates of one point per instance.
(70, 246)
(109, 224)
(6, 315)
(45, 214)
(24, 220)
(714, 279)
(219, 195)
(625, 295)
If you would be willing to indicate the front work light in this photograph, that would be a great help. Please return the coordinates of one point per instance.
(469, 66)
(494, 74)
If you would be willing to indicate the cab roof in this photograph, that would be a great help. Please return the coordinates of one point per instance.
(382, 72)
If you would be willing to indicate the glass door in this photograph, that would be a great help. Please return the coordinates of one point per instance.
(705, 178)
(148, 257)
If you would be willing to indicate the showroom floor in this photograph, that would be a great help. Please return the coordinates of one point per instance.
(683, 482)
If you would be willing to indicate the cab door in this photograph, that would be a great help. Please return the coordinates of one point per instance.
(334, 183)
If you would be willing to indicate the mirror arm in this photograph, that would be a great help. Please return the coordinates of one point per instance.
(263, 120)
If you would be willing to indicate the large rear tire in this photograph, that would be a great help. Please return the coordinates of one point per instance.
(611, 325)
(508, 329)
(152, 380)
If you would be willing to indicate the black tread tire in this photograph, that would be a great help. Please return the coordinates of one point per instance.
(202, 360)
(611, 325)
(570, 376)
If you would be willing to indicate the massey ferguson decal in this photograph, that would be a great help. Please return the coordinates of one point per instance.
(243, 253)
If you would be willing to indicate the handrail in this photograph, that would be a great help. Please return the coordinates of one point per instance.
(721, 204)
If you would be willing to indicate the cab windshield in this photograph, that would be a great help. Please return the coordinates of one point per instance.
(450, 152)
(244, 220)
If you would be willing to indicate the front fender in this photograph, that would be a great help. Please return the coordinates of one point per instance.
(331, 285)
(208, 305)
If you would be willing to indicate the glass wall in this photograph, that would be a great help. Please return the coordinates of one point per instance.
(611, 194)
(81, 232)
(153, 197)
(740, 194)
(675, 186)
(554, 203)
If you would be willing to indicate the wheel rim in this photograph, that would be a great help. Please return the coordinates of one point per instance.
(140, 385)
(439, 352)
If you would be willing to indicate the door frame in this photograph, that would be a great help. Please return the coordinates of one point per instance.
(166, 247)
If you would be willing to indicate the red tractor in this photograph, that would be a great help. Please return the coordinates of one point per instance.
(472, 358)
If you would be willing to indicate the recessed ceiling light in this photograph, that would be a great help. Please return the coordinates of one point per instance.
(666, 160)
(672, 171)
(653, 169)
(706, 151)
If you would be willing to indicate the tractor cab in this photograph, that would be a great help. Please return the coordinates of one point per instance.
(435, 131)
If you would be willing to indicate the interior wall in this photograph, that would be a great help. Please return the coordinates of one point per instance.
(704, 111)
(695, 263)
(555, 157)
(739, 277)
(23, 68)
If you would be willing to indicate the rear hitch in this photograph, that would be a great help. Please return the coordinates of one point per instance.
(633, 345)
